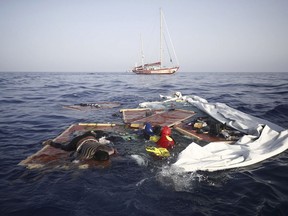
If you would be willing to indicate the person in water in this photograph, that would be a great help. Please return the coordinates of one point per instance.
(150, 131)
(161, 136)
(90, 145)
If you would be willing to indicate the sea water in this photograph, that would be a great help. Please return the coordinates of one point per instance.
(31, 111)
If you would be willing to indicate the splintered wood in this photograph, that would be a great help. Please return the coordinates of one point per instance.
(156, 117)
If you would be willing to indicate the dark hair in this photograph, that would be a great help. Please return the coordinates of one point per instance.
(101, 156)
(157, 130)
(98, 133)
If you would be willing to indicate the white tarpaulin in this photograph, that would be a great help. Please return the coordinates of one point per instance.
(219, 156)
(263, 140)
(234, 118)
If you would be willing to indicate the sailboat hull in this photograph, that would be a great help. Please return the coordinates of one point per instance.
(171, 70)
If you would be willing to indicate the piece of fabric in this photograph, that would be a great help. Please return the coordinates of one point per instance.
(234, 118)
(263, 140)
(245, 152)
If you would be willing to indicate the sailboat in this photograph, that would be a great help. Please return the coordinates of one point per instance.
(158, 66)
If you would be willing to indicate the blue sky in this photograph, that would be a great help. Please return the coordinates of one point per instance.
(104, 36)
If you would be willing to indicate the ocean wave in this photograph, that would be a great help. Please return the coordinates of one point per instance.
(32, 111)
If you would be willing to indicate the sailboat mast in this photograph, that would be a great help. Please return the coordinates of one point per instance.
(158, 67)
(142, 52)
(161, 38)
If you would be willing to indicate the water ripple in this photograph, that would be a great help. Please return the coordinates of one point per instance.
(32, 111)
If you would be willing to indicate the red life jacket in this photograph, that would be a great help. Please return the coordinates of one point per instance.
(166, 142)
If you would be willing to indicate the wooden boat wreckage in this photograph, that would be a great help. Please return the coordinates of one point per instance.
(220, 137)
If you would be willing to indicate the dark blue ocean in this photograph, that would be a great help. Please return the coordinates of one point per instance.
(31, 111)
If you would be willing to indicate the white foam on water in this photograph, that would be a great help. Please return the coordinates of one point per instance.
(178, 179)
(141, 161)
